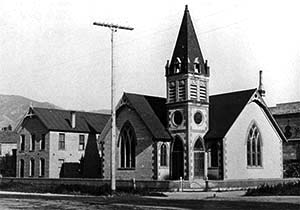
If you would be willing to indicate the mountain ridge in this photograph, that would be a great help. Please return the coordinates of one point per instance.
(13, 108)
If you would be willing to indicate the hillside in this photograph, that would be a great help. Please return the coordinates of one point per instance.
(13, 108)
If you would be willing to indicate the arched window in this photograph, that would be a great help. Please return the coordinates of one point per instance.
(177, 65)
(21, 168)
(199, 159)
(127, 144)
(31, 167)
(42, 167)
(254, 147)
(163, 155)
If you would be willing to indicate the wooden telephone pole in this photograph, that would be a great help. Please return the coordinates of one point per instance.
(113, 28)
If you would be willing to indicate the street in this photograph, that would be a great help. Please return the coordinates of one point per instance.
(184, 200)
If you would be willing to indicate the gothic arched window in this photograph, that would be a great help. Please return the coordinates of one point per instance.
(42, 167)
(163, 155)
(31, 167)
(177, 65)
(254, 147)
(127, 144)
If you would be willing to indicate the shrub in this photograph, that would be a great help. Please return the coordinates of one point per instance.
(291, 188)
(291, 168)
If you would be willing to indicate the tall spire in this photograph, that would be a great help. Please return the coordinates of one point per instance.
(187, 56)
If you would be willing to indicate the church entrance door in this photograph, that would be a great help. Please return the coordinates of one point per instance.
(177, 159)
(199, 154)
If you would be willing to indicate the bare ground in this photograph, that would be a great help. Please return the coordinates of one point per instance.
(178, 200)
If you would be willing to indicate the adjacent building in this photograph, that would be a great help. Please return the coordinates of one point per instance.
(8, 148)
(51, 137)
(190, 134)
(287, 116)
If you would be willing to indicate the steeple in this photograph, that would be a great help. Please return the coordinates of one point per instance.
(187, 56)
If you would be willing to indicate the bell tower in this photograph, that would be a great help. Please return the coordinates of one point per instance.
(187, 77)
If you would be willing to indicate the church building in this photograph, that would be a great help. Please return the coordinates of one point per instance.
(190, 134)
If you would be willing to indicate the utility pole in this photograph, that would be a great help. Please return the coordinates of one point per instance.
(113, 28)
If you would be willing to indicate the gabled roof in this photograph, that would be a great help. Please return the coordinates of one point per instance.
(152, 110)
(60, 120)
(8, 137)
(224, 110)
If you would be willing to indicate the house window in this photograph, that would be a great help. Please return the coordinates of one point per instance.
(61, 141)
(81, 142)
(163, 155)
(21, 168)
(42, 167)
(31, 167)
(42, 142)
(127, 143)
(22, 142)
(254, 147)
(32, 142)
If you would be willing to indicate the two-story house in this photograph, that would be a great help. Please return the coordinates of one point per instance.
(51, 137)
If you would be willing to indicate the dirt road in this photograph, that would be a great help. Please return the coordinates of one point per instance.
(182, 200)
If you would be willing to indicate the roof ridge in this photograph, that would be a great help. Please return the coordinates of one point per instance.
(238, 91)
(138, 94)
(69, 110)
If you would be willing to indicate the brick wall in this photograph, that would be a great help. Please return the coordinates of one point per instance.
(71, 153)
(290, 125)
(144, 168)
(52, 156)
(33, 126)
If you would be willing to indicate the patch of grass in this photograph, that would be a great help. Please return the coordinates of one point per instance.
(291, 188)
(59, 189)
(76, 189)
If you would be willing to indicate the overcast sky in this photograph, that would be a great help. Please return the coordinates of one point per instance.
(50, 50)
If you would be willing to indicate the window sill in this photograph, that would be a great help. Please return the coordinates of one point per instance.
(126, 169)
(164, 167)
(255, 167)
(213, 167)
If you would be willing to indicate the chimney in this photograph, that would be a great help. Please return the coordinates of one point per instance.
(261, 90)
(73, 119)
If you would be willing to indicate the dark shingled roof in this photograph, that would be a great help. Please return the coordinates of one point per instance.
(8, 137)
(152, 111)
(223, 111)
(187, 47)
(60, 120)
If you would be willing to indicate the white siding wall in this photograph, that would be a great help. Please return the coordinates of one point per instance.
(6, 148)
(235, 148)
(70, 154)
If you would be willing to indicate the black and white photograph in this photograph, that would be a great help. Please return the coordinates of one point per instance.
(176, 104)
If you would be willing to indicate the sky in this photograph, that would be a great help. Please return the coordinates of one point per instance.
(51, 51)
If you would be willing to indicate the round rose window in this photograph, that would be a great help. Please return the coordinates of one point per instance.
(198, 117)
(177, 118)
